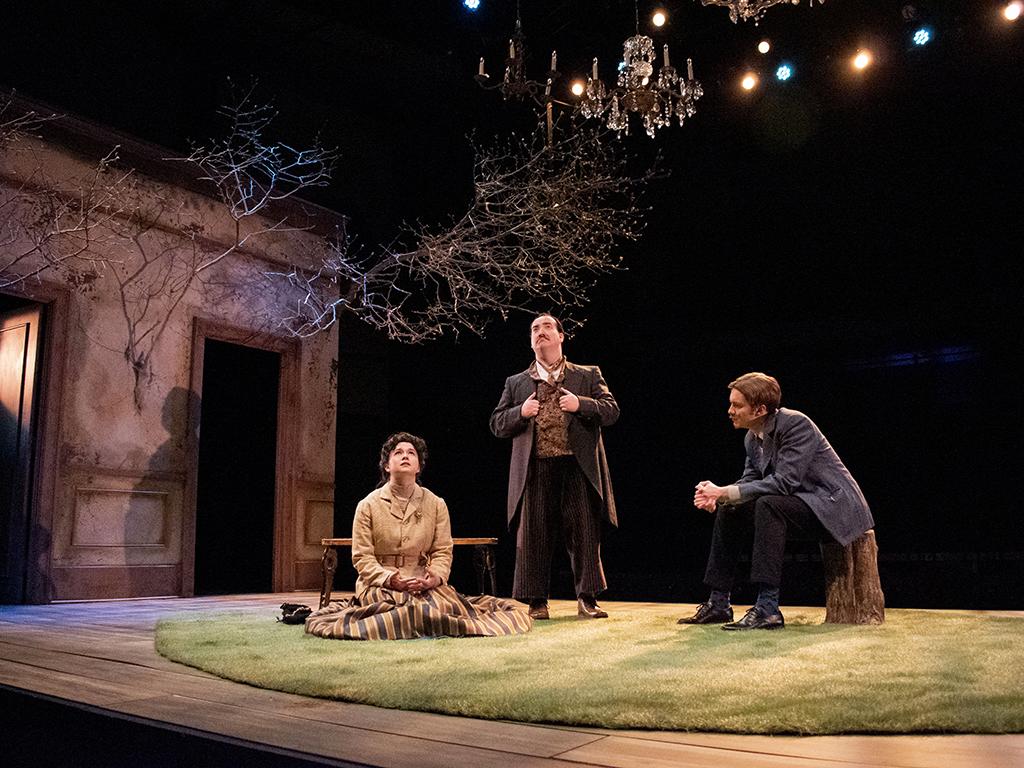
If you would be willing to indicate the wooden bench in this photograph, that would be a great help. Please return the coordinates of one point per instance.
(483, 560)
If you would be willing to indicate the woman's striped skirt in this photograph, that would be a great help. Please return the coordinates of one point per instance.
(383, 614)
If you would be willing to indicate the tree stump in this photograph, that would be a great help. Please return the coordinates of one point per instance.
(853, 592)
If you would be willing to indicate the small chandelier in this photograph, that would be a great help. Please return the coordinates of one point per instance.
(655, 99)
(514, 84)
(751, 9)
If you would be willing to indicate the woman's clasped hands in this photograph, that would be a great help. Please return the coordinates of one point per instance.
(415, 584)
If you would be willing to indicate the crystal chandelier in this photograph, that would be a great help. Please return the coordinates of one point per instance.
(751, 9)
(655, 99)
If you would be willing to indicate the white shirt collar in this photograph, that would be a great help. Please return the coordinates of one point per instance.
(542, 372)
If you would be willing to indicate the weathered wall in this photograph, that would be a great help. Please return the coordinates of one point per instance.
(121, 508)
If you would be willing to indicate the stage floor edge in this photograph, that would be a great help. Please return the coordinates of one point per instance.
(99, 657)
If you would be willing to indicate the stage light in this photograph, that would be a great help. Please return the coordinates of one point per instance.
(862, 60)
(471, 4)
(764, 46)
(577, 88)
(784, 72)
(749, 81)
(1013, 10)
(659, 18)
(923, 36)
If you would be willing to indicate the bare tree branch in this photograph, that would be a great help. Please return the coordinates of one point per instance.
(543, 226)
(45, 225)
(15, 126)
(250, 174)
(106, 227)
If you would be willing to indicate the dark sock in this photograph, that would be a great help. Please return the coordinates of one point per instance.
(719, 600)
(768, 600)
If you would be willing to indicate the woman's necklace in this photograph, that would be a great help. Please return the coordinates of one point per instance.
(399, 497)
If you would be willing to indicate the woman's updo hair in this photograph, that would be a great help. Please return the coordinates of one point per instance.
(390, 444)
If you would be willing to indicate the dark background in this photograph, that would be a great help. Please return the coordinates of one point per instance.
(858, 236)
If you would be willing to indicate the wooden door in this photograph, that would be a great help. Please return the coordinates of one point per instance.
(19, 353)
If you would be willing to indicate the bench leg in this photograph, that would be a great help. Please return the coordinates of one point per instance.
(492, 567)
(328, 564)
(484, 562)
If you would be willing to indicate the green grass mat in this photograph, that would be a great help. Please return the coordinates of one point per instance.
(920, 672)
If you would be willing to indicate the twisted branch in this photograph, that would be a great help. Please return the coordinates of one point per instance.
(543, 226)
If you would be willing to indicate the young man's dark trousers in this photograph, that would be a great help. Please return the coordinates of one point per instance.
(759, 528)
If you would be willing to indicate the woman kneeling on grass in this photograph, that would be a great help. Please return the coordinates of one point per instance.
(402, 550)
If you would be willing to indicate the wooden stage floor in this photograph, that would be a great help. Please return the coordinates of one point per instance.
(100, 657)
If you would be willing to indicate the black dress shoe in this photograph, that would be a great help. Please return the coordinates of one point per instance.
(539, 610)
(587, 608)
(708, 614)
(755, 619)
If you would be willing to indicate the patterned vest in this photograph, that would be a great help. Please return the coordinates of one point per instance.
(551, 431)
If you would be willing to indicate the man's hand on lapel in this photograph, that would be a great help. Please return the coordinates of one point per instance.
(530, 407)
(568, 402)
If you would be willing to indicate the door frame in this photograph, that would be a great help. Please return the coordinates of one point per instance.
(55, 302)
(288, 414)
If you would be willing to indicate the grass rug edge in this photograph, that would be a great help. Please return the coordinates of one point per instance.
(921, 672)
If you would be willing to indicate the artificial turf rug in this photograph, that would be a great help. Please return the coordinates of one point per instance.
(922, 671)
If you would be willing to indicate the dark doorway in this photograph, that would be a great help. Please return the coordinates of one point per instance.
(20, 352)
(237, 469)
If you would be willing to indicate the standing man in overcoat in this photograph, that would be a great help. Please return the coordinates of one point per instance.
(558, 480)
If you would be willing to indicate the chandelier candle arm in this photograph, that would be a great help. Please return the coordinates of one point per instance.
(664, 51)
